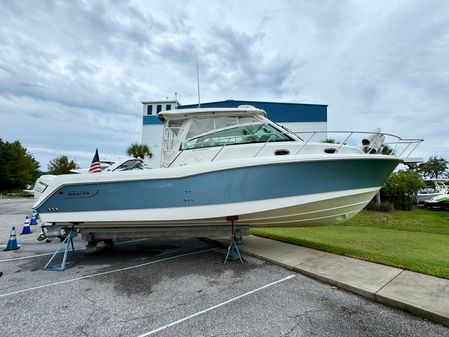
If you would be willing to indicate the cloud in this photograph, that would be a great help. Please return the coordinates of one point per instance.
(72, 74)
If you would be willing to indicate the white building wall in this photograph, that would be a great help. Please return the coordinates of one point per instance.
(152, 136)
(152, 133)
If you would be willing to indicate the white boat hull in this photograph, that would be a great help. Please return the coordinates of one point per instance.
(311, 210)
(279, 192)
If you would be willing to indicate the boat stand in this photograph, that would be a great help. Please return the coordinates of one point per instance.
(66, 244)
(233, 253)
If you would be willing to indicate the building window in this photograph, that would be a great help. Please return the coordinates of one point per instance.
(158, 108)
(168, 107)
(149, 109)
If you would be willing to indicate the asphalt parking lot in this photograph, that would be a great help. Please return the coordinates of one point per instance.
(175, 288)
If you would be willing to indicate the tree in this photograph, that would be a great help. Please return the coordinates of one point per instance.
(401, 188)
(329, 141)
(139, 151)
(384, 149)
(61, 165)
(17, 167)
(433, 168)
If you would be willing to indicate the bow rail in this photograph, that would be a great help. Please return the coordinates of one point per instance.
(390, 144)
(366, 141)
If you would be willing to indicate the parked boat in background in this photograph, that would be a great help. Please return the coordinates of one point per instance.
(226, 162)
(108, 166)
(29, 191)
(434, 188)
(439, 201)
(122, 164)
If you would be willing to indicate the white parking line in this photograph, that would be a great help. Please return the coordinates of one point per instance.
(131, 241)
(215, 307)
(37, 255)
(27, 239)
(104, 273)
(19, 240)
(25, 257)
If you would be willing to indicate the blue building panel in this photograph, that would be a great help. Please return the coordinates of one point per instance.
(151, 120)
(277, 112)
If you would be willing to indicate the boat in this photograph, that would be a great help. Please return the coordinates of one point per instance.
(122, 164)
(104, 164)
(434, 188)
(439, 201)
(227, 163)
(28, 191)
(119, 165)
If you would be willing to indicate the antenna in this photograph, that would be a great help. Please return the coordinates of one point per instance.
(198, 84)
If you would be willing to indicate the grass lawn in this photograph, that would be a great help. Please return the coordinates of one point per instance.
(416, 240)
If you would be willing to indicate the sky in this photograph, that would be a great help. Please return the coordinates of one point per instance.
(73, 73)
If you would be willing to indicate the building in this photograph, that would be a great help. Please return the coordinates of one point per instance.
(294, 116)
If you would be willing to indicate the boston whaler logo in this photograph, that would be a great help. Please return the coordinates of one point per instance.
(81, 194)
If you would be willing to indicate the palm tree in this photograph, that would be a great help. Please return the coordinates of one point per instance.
(139, 151)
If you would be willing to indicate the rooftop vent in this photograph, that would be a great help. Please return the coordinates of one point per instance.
(245, 106)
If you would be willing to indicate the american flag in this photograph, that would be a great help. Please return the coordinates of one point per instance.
(95, 166)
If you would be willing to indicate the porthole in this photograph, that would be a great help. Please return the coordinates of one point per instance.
(281, 152)
(330, 150)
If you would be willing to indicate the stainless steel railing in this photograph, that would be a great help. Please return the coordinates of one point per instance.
(391, 144)
(398, 147)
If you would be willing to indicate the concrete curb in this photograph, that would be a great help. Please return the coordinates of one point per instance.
(422, 295)
(413, 309)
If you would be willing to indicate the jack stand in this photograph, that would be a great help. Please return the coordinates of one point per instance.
(66, 244)
(233, 253)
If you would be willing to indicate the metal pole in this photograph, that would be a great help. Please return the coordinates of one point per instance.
(198, 83)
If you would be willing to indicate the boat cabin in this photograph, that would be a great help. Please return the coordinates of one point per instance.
(191, 129)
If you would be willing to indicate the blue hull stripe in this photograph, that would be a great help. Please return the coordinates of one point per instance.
(228, 186)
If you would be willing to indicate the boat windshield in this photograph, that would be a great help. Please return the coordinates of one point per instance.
(226, 132)
(132, 164)
(171, 140)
